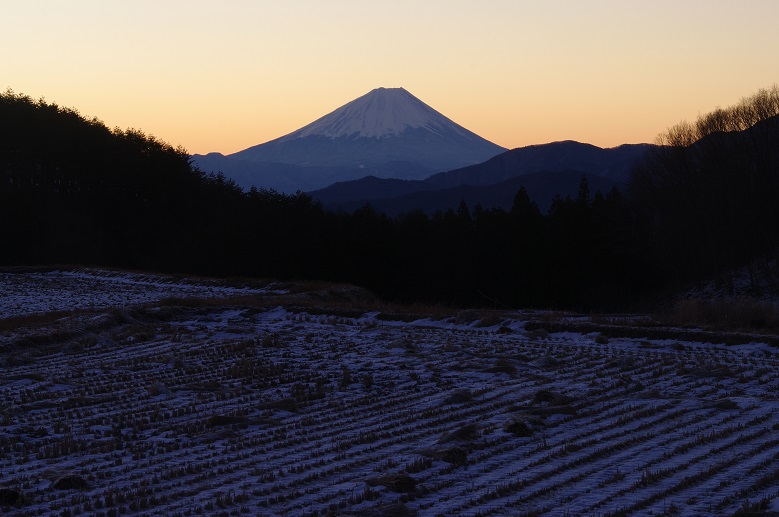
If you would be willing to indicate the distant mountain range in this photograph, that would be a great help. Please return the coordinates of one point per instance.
(544, 170)
(394, 151)
(387, 133)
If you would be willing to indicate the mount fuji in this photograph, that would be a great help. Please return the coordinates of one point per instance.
(386, 133)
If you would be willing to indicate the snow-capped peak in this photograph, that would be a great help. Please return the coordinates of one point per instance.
(379, 113)
(386, 129)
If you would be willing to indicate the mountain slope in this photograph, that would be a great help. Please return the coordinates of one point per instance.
(542, 187)
(543, 162)
(614, 163)
(379, 113)
(387, 133)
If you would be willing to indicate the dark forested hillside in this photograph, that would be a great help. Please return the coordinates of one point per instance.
(708, 196)
(544, 170)
(74, 191)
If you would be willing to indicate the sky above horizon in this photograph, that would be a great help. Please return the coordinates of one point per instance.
(223, 76)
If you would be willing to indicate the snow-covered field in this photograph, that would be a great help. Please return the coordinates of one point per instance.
(285, 408)
(53, 291)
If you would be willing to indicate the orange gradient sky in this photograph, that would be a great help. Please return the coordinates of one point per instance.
(225, 75)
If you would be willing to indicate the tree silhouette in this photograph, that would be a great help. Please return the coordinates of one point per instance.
(707, 197)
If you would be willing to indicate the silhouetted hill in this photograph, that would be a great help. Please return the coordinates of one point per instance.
(709, 195)
(614, 163)
(542, 188)
(74, 191)
(548, 169)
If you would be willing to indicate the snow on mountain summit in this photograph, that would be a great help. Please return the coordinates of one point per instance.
(386, 133)
(383, 126)
(379, 113)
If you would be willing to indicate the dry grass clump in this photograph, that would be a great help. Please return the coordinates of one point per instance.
(490, 320)
(742, 313)
(34, 320)
(502, 366)
(537, 334)
(726, 404)
(546, 403)
(70, 482)
(456, 456)
(10, 497)
(223, 420)
(400, 483)
(387, 510)
(466, 433)
(551, 397)
(157, 388)
(12, 359)
(519, 428)
(285, 404)
(404, 343)
(460, 396)
(419, 464)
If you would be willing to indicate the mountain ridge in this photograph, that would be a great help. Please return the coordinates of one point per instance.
(543, 161)
(542, 188)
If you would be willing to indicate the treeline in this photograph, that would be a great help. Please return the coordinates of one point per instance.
(579, 255)
(709, 196)
(73, 191)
